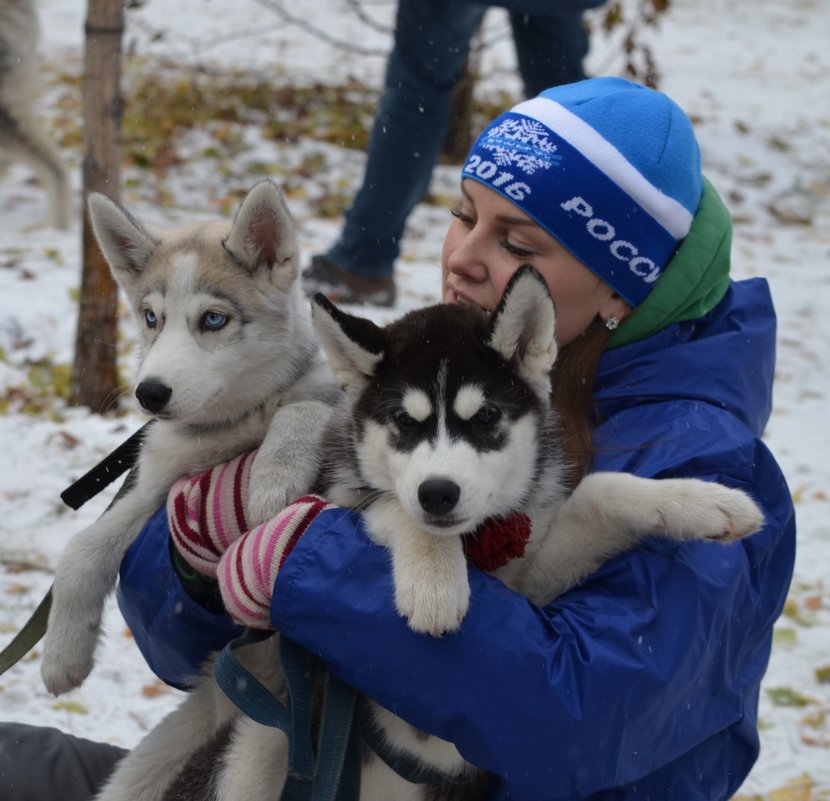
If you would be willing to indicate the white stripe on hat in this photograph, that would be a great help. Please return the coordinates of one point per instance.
(671, 214)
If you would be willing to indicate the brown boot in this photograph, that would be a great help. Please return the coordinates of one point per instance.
(341, 286)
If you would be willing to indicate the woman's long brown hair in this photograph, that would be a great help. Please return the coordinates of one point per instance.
(572, 386)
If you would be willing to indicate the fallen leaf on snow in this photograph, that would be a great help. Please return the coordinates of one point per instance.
(155, 689)
(797, 789)
(787, 696)
(70, 706)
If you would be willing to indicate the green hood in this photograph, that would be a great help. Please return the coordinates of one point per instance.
(694, 281)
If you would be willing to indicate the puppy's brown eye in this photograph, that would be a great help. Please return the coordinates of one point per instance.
(405, 420)
(488, 415)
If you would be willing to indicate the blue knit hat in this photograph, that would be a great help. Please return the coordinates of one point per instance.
(608, 167)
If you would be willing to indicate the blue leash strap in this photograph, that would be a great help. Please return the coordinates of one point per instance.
(333, 772)
(246, 691)
(338, 762)
(301, 670)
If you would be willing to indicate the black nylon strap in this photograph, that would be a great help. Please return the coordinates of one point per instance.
(106, 471)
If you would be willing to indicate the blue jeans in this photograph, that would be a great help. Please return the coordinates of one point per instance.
(432, 38)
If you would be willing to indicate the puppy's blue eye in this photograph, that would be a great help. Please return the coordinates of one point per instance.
(487, 415)
(213, 321)
(405, 420)
(150, 318)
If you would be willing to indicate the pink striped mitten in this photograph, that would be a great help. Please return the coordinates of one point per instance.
(248, 569)
(206, 513)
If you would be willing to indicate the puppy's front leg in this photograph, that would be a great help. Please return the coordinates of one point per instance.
(609, 513)
(86, 574)
(286, 463)
(432, 590)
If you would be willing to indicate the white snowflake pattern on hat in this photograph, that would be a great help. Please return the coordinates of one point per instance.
(521, 143)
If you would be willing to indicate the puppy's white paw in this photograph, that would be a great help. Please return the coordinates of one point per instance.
(67, 660)
(269, 495)
(286, 464)
(704, 510)
(434, 604)
(740, 516)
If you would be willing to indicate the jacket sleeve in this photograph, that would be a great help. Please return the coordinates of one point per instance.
(656, 656)
(174, 632)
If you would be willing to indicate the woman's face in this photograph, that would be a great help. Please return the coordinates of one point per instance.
(490, 238)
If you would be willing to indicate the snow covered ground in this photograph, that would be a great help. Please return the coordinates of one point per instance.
(755, 77)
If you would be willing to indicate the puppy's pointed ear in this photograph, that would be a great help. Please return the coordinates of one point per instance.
(125, 242)
(262, 234)
(521, 328)
(354, 346)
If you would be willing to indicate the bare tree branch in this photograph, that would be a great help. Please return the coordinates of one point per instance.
(278, 8)
(357, 7)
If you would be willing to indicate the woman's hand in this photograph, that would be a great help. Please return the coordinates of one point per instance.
(248, 569)
(208, 512)
(210, 523)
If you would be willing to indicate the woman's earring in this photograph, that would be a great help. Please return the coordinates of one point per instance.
(612, 323)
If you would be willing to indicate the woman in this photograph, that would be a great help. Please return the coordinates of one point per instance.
(643, 681)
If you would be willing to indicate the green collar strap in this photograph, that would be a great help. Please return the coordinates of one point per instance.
(694, 281)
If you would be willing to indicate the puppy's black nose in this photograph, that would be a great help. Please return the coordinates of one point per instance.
(438, 496)
(153, 395)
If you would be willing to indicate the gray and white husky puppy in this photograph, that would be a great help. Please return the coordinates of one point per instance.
(447, 423)
(22, 137)
(229, 354)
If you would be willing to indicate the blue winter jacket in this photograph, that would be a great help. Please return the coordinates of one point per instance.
(643, 682)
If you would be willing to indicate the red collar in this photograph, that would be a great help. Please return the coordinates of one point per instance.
(497, 541)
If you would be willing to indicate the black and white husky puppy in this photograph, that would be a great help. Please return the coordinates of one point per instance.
(447, 423)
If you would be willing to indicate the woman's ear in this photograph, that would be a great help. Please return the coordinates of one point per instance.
(615, 308)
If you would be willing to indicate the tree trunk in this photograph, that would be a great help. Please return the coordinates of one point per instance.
(94, 374)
